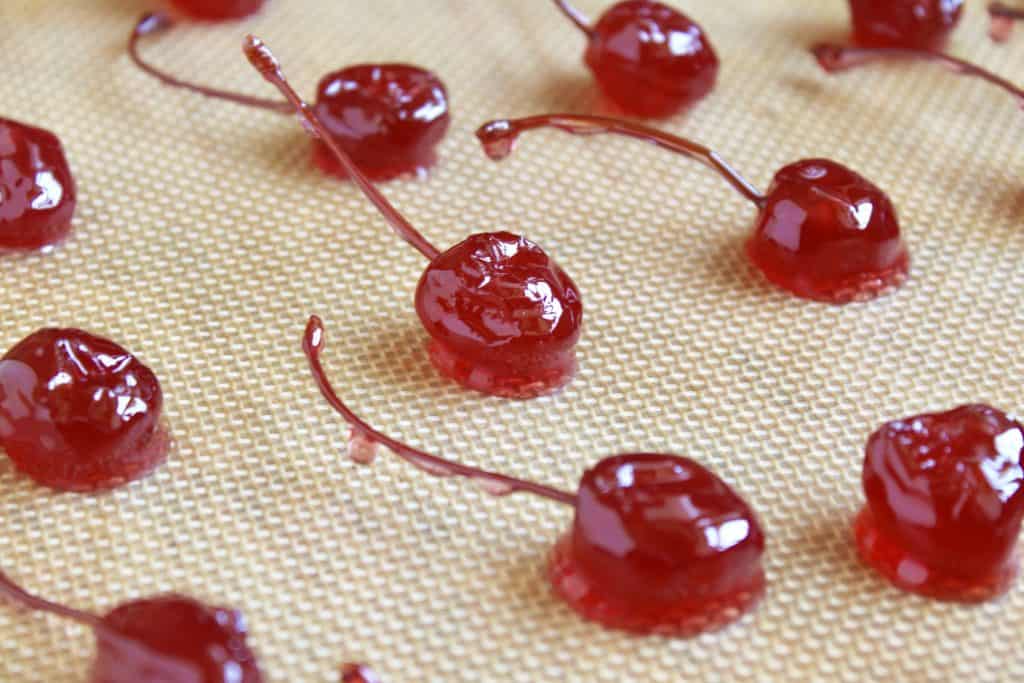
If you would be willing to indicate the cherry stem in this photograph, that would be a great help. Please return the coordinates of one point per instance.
(158, 22)
(834, 58)
(499, 137)
(576, 17)
(500, 484)
(263, 60)
(1003, 17)
(19, 595)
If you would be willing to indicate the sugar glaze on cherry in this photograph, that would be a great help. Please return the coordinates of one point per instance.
(167, 639)
(648, 59)
(218, 10)
(1003, 17)
(945, 501)
(822, 232)
(918, 24)
(389, 118)
(834, 58)
(79, 412)
(503, 318)
(659, 544)
(37, 190)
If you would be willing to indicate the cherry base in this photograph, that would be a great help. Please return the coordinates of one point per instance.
(418, 168)
(859, 288)
(888, 558)
(497, 379)
(99, 475)
(682, 619)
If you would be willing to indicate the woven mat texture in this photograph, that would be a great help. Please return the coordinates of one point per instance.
(204, 238)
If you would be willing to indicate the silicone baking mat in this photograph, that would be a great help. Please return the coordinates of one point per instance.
(204, 238)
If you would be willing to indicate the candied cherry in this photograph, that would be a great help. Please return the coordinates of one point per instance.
(79, 412)
(166, 639)
(502, 316)
(1003, 17)
(648, 59)
(389, 118)
(658, 544)
(822, 232)
(37, 190)
(835, 58)
(904, 23)
(215, 10)
(358, 673)
(945, 500)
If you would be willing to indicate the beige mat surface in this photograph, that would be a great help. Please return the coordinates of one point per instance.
(204, 238)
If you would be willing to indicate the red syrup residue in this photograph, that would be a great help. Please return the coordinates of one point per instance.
(168, 638)
(835, 58)
(502, 316)
(648, 59)
(37, 190)
(659, 544)
(945, 500)
(389, 118)
(79, 412)
(822, 231)
(904, 23)
(218, 10)
(1003, 18)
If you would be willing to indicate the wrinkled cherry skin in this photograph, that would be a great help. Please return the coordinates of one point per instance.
(215, 10)
(649, 60)
(388, 117)
(828, 234)
(37, 191)
(945, 500)
(924, 24)
(175, 639)
(79, 412)
(503, 317)
(659, 544)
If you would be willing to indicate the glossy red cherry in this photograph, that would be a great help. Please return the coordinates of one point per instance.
(214, 10)
(37, 191)
(904, 23)
(648, 59)
(79, 412)
(503, 317)
(659, 544)
(1003, 17)
(164, 639)
(822, 232)
(945, 500)
(835, 58)
(358, 673)
(388, 117)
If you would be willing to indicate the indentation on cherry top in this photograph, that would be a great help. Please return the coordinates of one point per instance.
(37, 190)
(502, 316)
(822, 231)
(647, 58)
(79, 412)
(919, 24)
(834, 58)
(389, 118)
(1003, 17)
(659, 544)
(218, 10)
(945, 502)
(168, 638)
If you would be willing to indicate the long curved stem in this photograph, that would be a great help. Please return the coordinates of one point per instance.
(834, 58)
(493, 482)
(1003, 17)
(575, 16)
(157, 22)
(263, 60)
(499, 137)
(20, 596)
